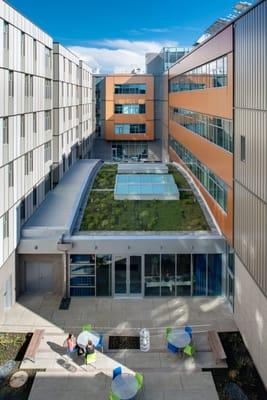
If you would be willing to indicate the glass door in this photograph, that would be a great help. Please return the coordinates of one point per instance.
(135, 275)
(128, 276)
(120, 275)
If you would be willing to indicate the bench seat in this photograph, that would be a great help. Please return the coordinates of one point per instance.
(33, 345)
(216, 346)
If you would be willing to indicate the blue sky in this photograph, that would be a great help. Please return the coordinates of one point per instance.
(110, 35)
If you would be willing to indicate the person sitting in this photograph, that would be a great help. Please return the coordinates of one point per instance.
(71, 343)
(90, 348)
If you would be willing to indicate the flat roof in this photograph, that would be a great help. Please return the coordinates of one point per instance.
(58, 212)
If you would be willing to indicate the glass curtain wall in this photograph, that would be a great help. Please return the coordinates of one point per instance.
(164, 275)
(103, 275)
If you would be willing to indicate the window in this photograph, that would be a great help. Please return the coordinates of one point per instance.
(34, 122)
(212, 183)
(34, 197)
(6, 225)
(47, 151)
(10, 175)
(124, 129)
(70, 113)
(213, 74)
(10, 84)
(22, 126)
(242, 148)
(139, 88)
(34, 49)
(28, 85)
(47, 58)
(26, 164)
(23, 44)
(152, 274)
(22, 210)
(48, 121)
(216, 130)
(30, 154)
(130, 108)
(70, 68)
(48, 89)
(5, 131)
(6, 35)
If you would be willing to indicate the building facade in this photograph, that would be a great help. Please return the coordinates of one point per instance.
(250, 181)
(201, 122)
(26, 135)
(125, 112)
(36, 91)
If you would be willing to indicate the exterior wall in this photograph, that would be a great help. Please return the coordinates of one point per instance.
(86, 110)
(25, 161)
(66, 110)
(251, 181)
(58, 272)
(250, 312)
(213, 102)
(111, 99)
(7, 271)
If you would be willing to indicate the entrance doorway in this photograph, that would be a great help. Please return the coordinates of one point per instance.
(128, 273)
(39, 277)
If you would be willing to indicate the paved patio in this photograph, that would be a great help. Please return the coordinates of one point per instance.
(166, 375)
(115, 315)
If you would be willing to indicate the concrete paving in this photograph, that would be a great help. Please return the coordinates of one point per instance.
(167, 376)
(97, 385)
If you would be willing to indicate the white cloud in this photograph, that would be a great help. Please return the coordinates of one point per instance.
(118, 55)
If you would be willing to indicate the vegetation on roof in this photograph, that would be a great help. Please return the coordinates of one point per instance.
(104, 213)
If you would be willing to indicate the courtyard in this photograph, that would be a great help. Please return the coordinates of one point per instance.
(165, 375)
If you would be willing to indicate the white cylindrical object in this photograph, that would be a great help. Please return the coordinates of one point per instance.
(144, 340)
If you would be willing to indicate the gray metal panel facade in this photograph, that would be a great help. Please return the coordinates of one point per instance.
(251, 122)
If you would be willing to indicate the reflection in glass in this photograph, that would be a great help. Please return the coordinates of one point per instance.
(103, 275)
(214, 274)
(135, 274)
(152, 275)
(199, 274)
(183, 276)
(120, 275)
(168, 275)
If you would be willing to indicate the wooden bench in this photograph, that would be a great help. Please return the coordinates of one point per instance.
(216, 346)
(34, 344)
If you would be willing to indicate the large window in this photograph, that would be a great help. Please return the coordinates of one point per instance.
(48, 121)
(48, 89)
(214, 185)
(6, 35)
(215, 129)
(125, 129)
(213, 74)
(183, 275)
(152, 275)
(11, 84)
(82, 275)
(47, 151)
(103, 275)
(48, 61)
(130, 108)
(28, 85)
(5, 131)
(214, 274)
(168, 275)
(125, 151)
(207, 274)
(139, 88)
